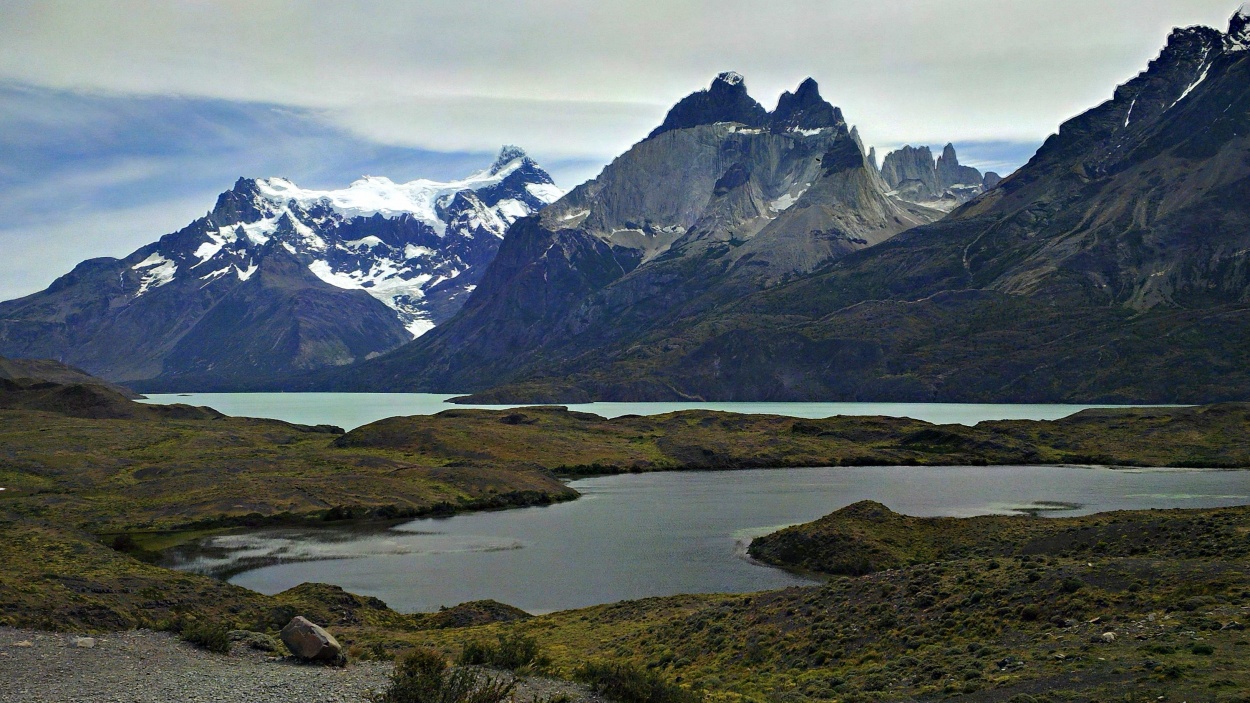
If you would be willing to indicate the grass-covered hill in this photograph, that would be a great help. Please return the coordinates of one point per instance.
(574, 442)
(868, 537)
(130, 466)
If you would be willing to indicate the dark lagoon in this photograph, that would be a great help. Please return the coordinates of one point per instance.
(633, 536)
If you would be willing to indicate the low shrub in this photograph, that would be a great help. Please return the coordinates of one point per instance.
(514, 652)
(422, 676)
(626, 683)
(210, 636)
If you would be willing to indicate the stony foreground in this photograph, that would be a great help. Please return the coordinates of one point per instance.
(142, 666)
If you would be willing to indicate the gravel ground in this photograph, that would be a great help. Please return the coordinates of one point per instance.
(142, 666)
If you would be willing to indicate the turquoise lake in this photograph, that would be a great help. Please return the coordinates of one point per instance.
(351, 410)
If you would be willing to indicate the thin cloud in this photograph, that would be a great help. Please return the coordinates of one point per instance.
(975, 69)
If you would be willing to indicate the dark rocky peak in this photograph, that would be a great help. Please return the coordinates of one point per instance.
(951, 173)
(990, 179)
(237, 204)
(805, 109)
(872, 158)
(1238, 37)
(516, 186)
(1105, 135)
(508, 154)
(726, 100)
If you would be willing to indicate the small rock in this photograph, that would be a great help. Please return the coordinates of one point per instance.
(1233, 626)
(84, 642)
(24, 643)
(1108, 637)
(307, 640)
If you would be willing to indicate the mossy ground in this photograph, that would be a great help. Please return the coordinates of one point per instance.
(118, 475)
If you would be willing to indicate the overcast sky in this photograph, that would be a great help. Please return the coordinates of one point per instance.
(121, 121)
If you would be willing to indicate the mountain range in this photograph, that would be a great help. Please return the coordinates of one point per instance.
(277, 279)
(737, 254)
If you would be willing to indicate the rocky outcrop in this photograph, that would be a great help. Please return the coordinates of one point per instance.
(990, 180)
(310, 641)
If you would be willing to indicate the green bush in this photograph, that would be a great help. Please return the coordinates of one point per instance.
(210, 636)
(514, 652)
(626, 683)
(422, 676)
(1202, 649)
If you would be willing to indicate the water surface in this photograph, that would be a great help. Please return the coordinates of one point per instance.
(633, 536)
(351, 410)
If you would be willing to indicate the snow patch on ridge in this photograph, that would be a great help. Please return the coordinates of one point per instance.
(378, 195)
(1206, 68)
(159, 272)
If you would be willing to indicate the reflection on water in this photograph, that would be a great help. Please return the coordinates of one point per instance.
(226, 555)
(633, 536)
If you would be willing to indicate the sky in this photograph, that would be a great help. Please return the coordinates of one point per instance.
(122, 120)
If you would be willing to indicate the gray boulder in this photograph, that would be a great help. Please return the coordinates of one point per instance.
(308, 640)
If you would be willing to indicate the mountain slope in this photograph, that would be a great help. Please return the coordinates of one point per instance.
(277, 279)
(723, 200)
(1112, 267)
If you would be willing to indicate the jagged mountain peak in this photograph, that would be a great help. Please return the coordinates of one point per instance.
(508, 154)
(1238, 37)
(725, 100)
(944, 184)
(805, 109)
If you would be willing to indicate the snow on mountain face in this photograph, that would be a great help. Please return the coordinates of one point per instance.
(419, 247)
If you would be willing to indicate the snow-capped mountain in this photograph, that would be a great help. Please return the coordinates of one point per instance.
(418, 247)
(277, 278)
